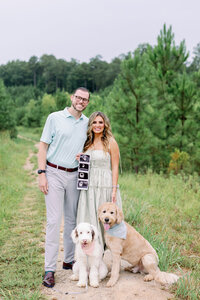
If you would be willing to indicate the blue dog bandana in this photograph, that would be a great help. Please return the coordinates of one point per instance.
(118, 230)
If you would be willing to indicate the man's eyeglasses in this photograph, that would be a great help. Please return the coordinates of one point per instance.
(85, 100)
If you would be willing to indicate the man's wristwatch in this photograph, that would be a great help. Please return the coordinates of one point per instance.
(41, 171)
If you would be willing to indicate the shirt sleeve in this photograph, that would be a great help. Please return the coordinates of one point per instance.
(48, 131)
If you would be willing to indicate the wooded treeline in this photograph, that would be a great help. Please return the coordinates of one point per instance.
(49, 74)
(151, 95)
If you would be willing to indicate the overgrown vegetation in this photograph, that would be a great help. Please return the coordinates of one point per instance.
(151, 95)
(21, 223)
(165, 209)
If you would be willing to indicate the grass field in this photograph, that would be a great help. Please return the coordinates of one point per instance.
(22, 217)
(165, 210)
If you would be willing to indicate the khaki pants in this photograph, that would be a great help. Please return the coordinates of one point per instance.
(62, 196)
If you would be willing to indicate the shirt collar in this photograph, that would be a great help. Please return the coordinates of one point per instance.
(68, 115)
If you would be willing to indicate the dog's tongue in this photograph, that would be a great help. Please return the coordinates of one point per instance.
(106, 226)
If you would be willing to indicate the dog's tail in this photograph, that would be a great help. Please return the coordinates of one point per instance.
(166, 278)
(150, 266)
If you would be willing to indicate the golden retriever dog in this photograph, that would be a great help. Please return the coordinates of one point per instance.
(125, 242)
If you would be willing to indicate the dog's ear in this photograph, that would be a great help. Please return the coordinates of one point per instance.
(99, 212)
(95, 232)
(74, 235)
(120, 215)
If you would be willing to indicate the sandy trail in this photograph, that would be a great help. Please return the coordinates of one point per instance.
(129, 286)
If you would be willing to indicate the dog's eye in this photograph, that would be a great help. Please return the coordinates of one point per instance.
(112, 212)
(81, 232)
(88, 232)
(104, 211)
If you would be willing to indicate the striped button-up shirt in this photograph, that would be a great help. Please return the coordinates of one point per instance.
(65, 136)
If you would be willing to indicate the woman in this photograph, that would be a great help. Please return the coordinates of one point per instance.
(103, 173)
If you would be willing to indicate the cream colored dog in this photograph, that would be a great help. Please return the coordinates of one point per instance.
(88, 256)
(125, 242)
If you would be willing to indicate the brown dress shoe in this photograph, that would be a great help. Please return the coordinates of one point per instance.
(49, 280)
(68, 266)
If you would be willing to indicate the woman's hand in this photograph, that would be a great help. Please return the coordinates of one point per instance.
(114, 197)
(114, 151)
(78, 156)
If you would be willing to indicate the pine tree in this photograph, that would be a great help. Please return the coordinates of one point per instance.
(184, 131)
(167, 61)
(129, 104)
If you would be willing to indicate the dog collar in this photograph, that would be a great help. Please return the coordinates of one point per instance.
(118, 230)
(88, 249)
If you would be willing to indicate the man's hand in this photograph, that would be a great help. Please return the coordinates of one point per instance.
(43, 184)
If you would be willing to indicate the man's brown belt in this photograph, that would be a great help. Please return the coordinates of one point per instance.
(62, 168)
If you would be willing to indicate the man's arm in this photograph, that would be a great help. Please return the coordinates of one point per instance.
(42, 154)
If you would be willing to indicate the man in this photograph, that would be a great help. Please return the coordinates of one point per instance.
(63, 137)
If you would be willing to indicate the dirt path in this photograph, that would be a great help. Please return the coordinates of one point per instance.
(129, 286)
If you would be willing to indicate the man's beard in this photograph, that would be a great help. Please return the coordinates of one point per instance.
(76, 108)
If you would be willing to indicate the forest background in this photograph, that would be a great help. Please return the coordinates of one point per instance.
(151, 95)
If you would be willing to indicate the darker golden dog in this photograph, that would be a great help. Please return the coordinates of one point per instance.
(125, 242)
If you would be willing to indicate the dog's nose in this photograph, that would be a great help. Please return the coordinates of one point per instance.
(106, 220)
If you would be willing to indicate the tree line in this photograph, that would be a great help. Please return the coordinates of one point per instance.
(49, 74)
(152, 100)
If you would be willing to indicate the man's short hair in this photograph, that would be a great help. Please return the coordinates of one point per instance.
(84, 90)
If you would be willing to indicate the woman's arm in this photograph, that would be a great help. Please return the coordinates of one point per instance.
(114, 152)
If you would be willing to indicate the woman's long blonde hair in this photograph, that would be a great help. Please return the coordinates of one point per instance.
(107, 133)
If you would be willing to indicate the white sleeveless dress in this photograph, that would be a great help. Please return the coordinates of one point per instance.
(99, 190)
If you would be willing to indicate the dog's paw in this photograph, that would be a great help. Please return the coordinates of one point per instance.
(132, 269)
(111, 283)
(94, 284)
(81, 284)
(148, 277)
(135, 270)
(74, 277)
